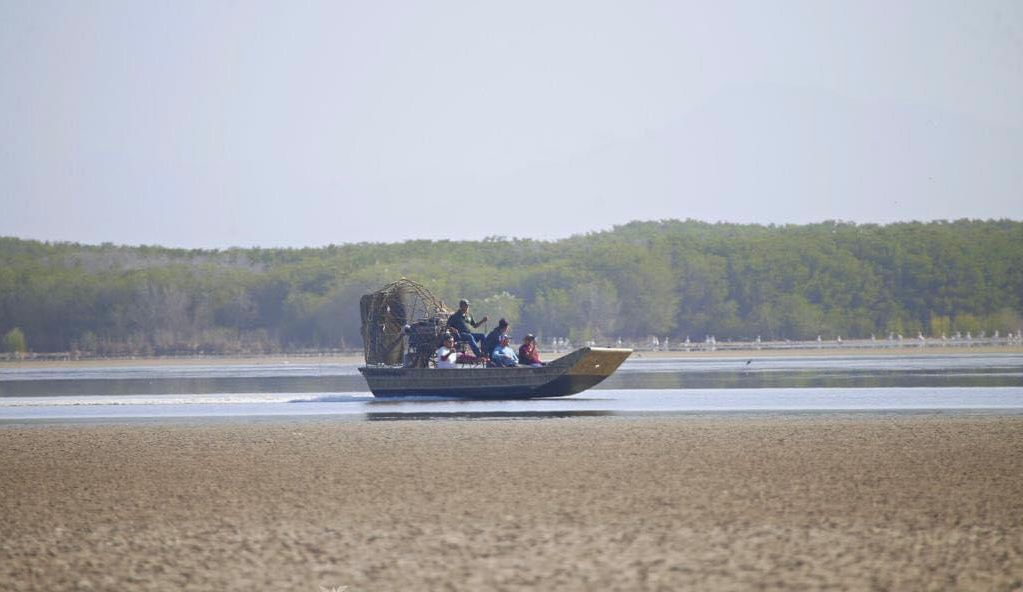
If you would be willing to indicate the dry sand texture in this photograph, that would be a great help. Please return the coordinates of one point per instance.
(797, 502)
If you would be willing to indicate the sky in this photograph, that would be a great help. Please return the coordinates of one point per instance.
(210, 124)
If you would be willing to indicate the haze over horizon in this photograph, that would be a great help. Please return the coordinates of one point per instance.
(211, 125)
(497, 237)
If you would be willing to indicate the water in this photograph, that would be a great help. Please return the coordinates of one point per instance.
(642, 386)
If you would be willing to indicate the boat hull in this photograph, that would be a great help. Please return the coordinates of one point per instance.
(568, 375)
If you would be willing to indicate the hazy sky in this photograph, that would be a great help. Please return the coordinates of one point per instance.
(211, 124)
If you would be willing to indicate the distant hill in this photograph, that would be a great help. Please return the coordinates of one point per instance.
(666, 278)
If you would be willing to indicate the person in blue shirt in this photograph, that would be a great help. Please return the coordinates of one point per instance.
(503, 354)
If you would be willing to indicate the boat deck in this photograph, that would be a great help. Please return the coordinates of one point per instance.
(567, 375)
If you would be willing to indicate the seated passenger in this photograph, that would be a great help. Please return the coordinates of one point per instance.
(494, 337)
(529, 355)
(446, 354)
(461, 320)
(503, 354)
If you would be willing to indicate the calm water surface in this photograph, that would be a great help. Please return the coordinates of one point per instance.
(643, 386)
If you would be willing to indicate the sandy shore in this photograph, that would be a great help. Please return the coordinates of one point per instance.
(835, 351)
(797, 502)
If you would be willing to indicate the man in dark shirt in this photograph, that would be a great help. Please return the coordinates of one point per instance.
(461, 320)
(494, 337)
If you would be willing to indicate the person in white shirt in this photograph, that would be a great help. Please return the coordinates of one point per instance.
(446, 354)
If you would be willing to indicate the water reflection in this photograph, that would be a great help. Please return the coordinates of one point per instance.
(173, 386)
(825, 378)
(996, 370)
(478, 415)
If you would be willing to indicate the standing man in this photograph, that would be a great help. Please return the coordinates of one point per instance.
(461, 320)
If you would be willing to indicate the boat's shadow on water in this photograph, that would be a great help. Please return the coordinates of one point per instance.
(477, 415)
(418, 408)
(427, 408)
(336, 398)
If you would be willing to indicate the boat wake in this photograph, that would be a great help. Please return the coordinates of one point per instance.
(182, 399)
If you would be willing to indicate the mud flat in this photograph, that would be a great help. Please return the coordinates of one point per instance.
(890, 501)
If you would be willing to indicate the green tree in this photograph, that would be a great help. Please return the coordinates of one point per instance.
(502, 305)
(667, 277)
(14, 341)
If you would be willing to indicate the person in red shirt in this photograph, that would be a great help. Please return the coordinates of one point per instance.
(528, 354)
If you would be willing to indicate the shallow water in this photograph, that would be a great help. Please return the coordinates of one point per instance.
(642, 386)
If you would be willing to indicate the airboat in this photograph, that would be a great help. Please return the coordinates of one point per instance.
(402, 324)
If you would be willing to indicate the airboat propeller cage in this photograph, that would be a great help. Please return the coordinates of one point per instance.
(387, 312)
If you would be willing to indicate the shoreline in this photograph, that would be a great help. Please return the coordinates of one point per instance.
(357, 359)
(792, 502)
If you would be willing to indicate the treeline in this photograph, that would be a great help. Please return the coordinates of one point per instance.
(670, 278)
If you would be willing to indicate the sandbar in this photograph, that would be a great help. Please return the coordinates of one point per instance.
(872, 501)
